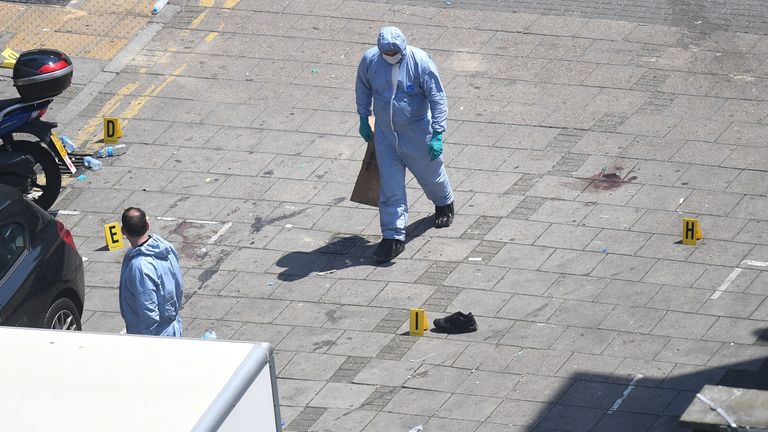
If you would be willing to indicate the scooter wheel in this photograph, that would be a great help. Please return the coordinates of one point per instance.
(45, 178)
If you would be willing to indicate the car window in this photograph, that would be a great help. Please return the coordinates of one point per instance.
(12, 245)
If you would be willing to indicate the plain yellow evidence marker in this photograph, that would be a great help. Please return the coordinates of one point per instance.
(691, 231)
(112, 130)
(418, 322)
(113, 236)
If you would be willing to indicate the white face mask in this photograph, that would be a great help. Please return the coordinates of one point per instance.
(394, 59)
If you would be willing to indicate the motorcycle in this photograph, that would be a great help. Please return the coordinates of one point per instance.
(31, 153)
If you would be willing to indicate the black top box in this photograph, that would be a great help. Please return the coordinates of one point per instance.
(42, 74)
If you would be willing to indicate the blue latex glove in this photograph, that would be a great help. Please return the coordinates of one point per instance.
(435, 145)
(365, 129)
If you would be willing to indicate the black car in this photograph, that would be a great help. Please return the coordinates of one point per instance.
(41, 272)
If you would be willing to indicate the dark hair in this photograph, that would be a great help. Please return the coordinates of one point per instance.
(135, 222)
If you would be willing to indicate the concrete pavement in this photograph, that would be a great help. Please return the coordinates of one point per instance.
(91, 32)
(239, 116)
(741, 16)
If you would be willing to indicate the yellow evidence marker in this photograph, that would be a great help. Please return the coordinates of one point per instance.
(112, 130)
(113, 236)
(10, 56)
(691, 231)
(418, 322)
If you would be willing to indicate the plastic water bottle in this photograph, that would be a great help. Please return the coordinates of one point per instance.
(159, 5)
(93, 164)
(68, 144)
(210, 335)
(110, 151)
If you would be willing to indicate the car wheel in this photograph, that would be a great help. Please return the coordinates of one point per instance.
(63, 315)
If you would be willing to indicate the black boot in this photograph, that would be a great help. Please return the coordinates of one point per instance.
(444, 215)
(388, 249)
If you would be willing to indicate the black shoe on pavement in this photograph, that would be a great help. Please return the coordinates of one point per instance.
(444, 215)
(457, 322)
(388, 249)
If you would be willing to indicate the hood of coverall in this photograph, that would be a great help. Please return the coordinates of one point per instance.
(391, 39)
(156, 246)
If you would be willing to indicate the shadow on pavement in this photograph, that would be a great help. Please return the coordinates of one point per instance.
(342, 252)
(626, 402)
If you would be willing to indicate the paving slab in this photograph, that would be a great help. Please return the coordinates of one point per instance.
(580, 282)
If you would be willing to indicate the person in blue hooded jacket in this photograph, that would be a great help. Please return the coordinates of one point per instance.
(410, 106)
(150, 280)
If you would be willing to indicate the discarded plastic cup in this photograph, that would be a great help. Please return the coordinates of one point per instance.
(210, 335)
(92, 164)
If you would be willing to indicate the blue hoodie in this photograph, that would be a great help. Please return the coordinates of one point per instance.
(151, 288)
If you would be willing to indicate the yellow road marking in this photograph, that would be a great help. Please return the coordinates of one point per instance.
(207, 3)
(86, 132)
(212, 35)
(196, 22)
(170, 78)
(133, 108)
(128, 89)
(229, 4)
(136, 105)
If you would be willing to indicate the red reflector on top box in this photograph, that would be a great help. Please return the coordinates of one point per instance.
(42, 74)
(59, 65)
